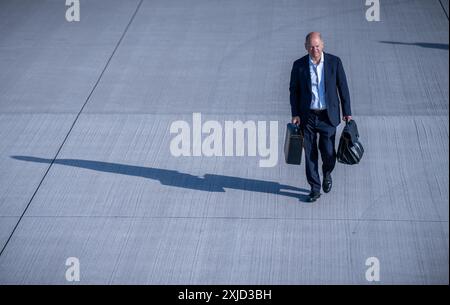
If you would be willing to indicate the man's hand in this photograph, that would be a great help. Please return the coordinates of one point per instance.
(347, 118)
(296, 120)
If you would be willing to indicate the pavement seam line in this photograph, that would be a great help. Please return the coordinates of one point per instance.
(443, 8)
(73, 124)
(241, 218)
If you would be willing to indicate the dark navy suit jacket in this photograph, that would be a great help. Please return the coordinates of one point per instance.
(336, 89)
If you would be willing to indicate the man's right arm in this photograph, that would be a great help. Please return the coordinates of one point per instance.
(294, 89)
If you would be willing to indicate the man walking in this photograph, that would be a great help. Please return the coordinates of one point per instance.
(318, 88)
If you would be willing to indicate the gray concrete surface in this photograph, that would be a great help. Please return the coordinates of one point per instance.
(85, 111)
(444, 4)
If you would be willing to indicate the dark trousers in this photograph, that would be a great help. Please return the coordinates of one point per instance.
(318, 124)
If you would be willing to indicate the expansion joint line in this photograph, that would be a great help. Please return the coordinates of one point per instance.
(73, 124)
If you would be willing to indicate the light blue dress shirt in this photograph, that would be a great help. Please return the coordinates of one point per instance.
(318, 101)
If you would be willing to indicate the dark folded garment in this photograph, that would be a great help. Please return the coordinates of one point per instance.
(350, 150)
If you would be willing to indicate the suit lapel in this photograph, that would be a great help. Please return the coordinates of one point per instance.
(307, 74)
(326, 70)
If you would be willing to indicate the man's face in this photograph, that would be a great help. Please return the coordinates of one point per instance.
(314, 47)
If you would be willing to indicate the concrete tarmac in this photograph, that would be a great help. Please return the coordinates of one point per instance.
(87, 171)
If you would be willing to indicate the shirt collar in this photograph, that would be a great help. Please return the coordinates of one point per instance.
(321, 59)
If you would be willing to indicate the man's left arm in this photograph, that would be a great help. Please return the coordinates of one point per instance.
(344, 93)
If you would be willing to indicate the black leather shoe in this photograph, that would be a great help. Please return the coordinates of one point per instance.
(327, 184)
(313, 196)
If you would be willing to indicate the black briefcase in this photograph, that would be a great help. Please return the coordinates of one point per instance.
(293, 144)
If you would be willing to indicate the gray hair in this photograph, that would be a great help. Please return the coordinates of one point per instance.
(308, 37)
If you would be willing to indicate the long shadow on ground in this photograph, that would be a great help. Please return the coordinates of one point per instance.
(209, 182)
